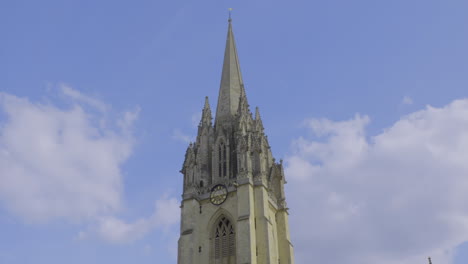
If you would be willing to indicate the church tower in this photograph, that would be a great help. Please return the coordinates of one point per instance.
(233, 203)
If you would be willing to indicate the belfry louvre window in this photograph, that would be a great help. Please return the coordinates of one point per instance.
(224, 240)
(222, 160)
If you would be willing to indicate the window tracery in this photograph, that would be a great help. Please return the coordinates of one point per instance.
(224, 241)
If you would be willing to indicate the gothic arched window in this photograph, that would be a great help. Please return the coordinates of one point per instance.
(222, 160)
(224, 241)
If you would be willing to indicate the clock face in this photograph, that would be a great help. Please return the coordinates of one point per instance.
(218, 194)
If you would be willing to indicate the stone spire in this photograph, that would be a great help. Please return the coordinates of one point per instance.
(231, 81)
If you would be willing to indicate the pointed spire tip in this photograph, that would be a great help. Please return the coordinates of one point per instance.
(257, 114)
(231, 86)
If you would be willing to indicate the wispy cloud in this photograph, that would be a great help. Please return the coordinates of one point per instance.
(165, 215)
(396, 197)
(82, 98)
(407, 100)
(196, 117)
(180, 136)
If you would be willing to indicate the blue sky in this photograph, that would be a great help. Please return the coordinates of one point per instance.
(366, 101)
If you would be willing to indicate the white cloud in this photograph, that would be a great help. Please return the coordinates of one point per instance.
(166, 214)
(55, 163)
(65, 164)
(396, 197)
(178, 135)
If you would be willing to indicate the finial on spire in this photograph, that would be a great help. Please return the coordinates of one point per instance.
(207, 103)
(230, 19)
(257, 113)
(258, 120)
(430, 261)
(243, 104)
(206, 114)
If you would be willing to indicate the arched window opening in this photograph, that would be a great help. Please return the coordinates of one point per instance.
(224, 241)
(201, 184)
